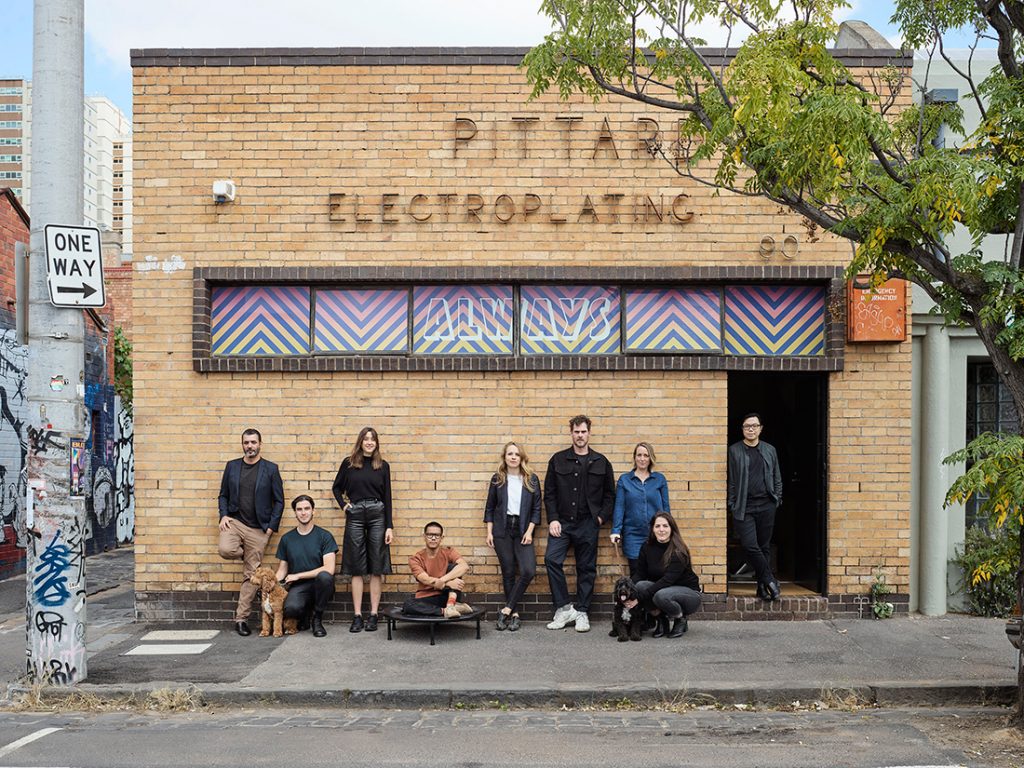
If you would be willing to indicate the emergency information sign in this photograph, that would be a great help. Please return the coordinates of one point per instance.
(74, 266)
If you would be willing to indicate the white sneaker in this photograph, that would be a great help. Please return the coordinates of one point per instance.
(563, 616)
(582, 622)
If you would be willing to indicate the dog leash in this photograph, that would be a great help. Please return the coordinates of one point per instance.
(619, 558)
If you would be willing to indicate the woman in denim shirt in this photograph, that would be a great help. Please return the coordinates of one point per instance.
(639, 495)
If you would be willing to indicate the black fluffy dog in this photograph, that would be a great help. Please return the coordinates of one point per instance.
(626, 622)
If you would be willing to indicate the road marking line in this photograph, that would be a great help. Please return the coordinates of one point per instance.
(5, 751)
(168, 649)
(180, 634)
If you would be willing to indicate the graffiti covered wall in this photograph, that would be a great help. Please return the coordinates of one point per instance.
(13, 451)
(110, 467)
(124, 472)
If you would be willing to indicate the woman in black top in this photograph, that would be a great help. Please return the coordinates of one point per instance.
(666, 583)
(363, 490)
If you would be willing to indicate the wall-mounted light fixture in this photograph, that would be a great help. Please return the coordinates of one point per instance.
(223, 191)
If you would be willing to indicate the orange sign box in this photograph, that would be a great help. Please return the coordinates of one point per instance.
(879, 314)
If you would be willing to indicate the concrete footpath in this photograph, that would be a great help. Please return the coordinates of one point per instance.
(953, 660)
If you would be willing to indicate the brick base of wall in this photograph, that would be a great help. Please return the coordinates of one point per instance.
(220, 607)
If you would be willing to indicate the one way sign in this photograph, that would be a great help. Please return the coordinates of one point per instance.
(74, 266)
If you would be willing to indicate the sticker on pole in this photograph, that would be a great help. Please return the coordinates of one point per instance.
(74, 266)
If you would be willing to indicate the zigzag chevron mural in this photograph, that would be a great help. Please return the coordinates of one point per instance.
(775, 320)
(350, 321)
(674, 320)
(765, 319)
(258, 321)
(462, 320)
(569, 320)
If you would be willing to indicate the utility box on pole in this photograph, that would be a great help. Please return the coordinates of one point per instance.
(57, 423)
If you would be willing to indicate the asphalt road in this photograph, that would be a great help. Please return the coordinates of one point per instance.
(522, 738)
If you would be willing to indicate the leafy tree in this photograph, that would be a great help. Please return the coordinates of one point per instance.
(123, 368)
(781, 118)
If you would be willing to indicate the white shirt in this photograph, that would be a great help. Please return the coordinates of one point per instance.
(515, 494)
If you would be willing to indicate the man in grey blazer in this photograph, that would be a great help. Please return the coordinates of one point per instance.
(250, 503)
(754, 494)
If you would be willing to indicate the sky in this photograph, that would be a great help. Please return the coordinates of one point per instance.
(114, 27)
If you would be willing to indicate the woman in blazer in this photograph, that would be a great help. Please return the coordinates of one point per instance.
(511, 514)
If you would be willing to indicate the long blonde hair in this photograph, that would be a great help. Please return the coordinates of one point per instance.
(501, 474)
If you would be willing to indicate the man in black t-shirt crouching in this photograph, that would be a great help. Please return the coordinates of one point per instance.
(307, 554)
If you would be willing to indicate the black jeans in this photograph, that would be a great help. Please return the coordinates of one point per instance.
(512, 554)
(302, 595)
(429, 606)
(581, 536)
(755, 535)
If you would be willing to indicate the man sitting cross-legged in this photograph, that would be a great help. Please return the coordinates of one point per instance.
(439, 571)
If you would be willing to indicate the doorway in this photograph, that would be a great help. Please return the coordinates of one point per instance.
(793, 409)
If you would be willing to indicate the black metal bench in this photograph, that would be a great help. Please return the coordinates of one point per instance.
(395, 615)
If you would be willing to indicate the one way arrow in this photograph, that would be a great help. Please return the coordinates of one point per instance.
(85, 290)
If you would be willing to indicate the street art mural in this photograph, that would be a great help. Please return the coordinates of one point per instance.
(13, 453)
(109, 465)
(124, 473)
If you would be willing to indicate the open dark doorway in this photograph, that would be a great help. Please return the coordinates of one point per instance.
(793, 408)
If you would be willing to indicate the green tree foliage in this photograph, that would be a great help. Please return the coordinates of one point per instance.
(123, 368)
(990, 561)
(781, 118)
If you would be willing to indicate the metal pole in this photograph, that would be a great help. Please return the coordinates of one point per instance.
(55, 570)
(934, 523)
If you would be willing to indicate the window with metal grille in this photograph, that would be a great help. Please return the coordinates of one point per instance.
(990, 408)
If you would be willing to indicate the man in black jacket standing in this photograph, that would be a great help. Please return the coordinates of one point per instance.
(579, 495)
(250, 504)
(754, 494)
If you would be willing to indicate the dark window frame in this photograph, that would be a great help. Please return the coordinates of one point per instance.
(204, 279)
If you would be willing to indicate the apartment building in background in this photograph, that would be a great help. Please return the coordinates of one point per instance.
(14, 122)
(107, 152)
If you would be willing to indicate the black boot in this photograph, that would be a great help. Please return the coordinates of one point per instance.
(318, 625)
(662, 628)
(679, 626)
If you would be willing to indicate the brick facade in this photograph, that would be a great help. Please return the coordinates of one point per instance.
(14, 228)
(119, 295)
(294, 130)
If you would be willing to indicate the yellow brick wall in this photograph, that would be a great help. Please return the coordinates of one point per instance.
(290, 135)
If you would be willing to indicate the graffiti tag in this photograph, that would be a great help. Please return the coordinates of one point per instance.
(52, 581)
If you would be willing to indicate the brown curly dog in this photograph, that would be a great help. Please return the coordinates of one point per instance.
(272, 603)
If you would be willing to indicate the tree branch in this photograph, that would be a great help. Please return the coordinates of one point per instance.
(643, 98)
(1018, 230)
(715, 79)
(1006, 49)
(965, 75)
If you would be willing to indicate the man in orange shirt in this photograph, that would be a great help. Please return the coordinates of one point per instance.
(439, 571)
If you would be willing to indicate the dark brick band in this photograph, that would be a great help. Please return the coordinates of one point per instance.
(423, 57)
(204, 278)
(204, 606)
